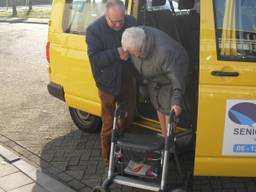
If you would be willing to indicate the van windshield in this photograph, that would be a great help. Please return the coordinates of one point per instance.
(236, 28)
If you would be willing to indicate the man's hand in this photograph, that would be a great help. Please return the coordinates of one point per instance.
(176, 109)
(123, 54)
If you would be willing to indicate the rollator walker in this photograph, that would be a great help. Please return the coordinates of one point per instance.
(148, 143)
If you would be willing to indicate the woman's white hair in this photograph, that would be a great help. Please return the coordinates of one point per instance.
(133, 38)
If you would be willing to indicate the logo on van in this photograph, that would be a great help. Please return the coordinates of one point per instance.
(243, 114)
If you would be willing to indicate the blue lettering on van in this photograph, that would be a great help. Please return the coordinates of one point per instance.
(244, 148)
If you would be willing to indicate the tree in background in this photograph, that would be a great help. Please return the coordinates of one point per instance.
(29, 5)
(14, 10)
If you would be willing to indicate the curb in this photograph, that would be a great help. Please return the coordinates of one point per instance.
(23, 20)
(8, 155)
(35, 174)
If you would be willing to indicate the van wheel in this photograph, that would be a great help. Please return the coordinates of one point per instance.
(84, 121)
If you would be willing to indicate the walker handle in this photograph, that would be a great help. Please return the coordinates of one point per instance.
(172, 117)
(119, 112)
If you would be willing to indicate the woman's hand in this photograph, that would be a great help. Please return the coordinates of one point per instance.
(176, 109)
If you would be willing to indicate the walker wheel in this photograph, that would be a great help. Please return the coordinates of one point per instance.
(99, 189)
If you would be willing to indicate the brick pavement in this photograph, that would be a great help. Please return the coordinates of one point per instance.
(70, 160)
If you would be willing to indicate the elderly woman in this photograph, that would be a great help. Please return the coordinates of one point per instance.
(161, 61)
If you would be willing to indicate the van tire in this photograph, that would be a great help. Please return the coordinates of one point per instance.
(84, 121)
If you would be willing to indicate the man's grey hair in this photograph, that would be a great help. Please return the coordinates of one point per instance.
(112, 3)
(133, 38)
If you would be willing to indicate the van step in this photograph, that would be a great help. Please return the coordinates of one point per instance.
(151, 124)
(130, 182)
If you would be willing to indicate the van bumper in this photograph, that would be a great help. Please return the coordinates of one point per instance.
(56, 90)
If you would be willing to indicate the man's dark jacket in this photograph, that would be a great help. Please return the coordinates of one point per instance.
(107, 67)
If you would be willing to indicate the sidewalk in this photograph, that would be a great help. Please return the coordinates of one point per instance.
(16, 175)
(23, 20)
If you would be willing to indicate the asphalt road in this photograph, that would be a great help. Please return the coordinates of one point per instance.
(38, 126)
(28, 114)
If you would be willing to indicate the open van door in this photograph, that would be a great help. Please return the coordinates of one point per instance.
(226, 129)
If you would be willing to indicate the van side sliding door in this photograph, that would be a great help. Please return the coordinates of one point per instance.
(226, 130)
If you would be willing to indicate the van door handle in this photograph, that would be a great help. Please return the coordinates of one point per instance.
(223, 73)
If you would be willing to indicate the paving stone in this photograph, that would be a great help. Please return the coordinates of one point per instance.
(251, 189)
(86, 189)
(76, 185)
(51, 184)
(3, 139)
(206, 188)
(91, 169)
(18, 149)
(60, 158)
(241, 190)
(57, 143)
(61, 166)
(216, 184)
(6, 168)
(10, 144)
(64, 177)
(93, 163)
(233, 185)
(74, 161)
(53, 171)
(77, 135)
(47, 157)
(228, 190)
(77, 167)
(100, 168)
(34, 160)
(90, 143)
(7, 154)
(30, 188)
(96, 158)
(81, 145)
(59, 153)
(85, 156)
(14, 181)
(96, 153)
(92, 182)
(24, 166)
(44, 164)
(76, 153)
(76, 174)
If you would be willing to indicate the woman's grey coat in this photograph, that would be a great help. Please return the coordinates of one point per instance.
(164, 66)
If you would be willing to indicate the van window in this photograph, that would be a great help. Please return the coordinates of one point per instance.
(78, 14)
(236, 29)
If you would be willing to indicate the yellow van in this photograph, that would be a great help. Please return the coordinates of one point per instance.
(220, 38)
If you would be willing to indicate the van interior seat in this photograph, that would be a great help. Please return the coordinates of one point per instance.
(163, 20)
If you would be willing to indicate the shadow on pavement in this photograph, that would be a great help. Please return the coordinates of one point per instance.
(74, 159)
